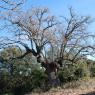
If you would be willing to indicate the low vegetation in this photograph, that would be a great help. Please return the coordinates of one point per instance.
(20, 76)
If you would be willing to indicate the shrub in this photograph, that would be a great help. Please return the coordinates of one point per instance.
(92, 70)
(82, 70)
(26, 84)
(66, 74)
(31, 77)
(73, 72)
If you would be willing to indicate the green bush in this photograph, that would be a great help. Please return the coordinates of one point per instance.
(82, 70)
(79, 73)
(24, 78)
(73, 72)
(25, 84)
(92, 70)
(66, 75)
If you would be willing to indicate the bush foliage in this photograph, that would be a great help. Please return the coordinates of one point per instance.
(24, 75)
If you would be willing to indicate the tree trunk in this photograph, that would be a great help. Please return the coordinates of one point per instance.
(51, 71)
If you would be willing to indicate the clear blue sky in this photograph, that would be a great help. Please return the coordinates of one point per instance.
(60, 6)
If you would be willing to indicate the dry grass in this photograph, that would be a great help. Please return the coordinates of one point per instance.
(73, 88)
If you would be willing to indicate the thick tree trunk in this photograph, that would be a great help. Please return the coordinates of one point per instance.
(51, 71)
(53, 79)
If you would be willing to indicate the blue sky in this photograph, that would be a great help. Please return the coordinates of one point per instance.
(60, 7)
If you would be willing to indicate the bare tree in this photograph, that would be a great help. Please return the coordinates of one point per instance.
(10, 4)
(7, 7)
(74, 37)
(37, 30)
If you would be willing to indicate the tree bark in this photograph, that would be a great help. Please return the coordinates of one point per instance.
(51, 71)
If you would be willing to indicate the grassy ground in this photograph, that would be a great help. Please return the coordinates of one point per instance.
(82, 87)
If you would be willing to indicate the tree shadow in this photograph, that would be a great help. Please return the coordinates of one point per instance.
(90, 93)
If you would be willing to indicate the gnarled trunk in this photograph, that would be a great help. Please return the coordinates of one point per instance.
(51, 71)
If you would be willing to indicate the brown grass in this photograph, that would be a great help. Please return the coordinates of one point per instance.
(81, 87)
